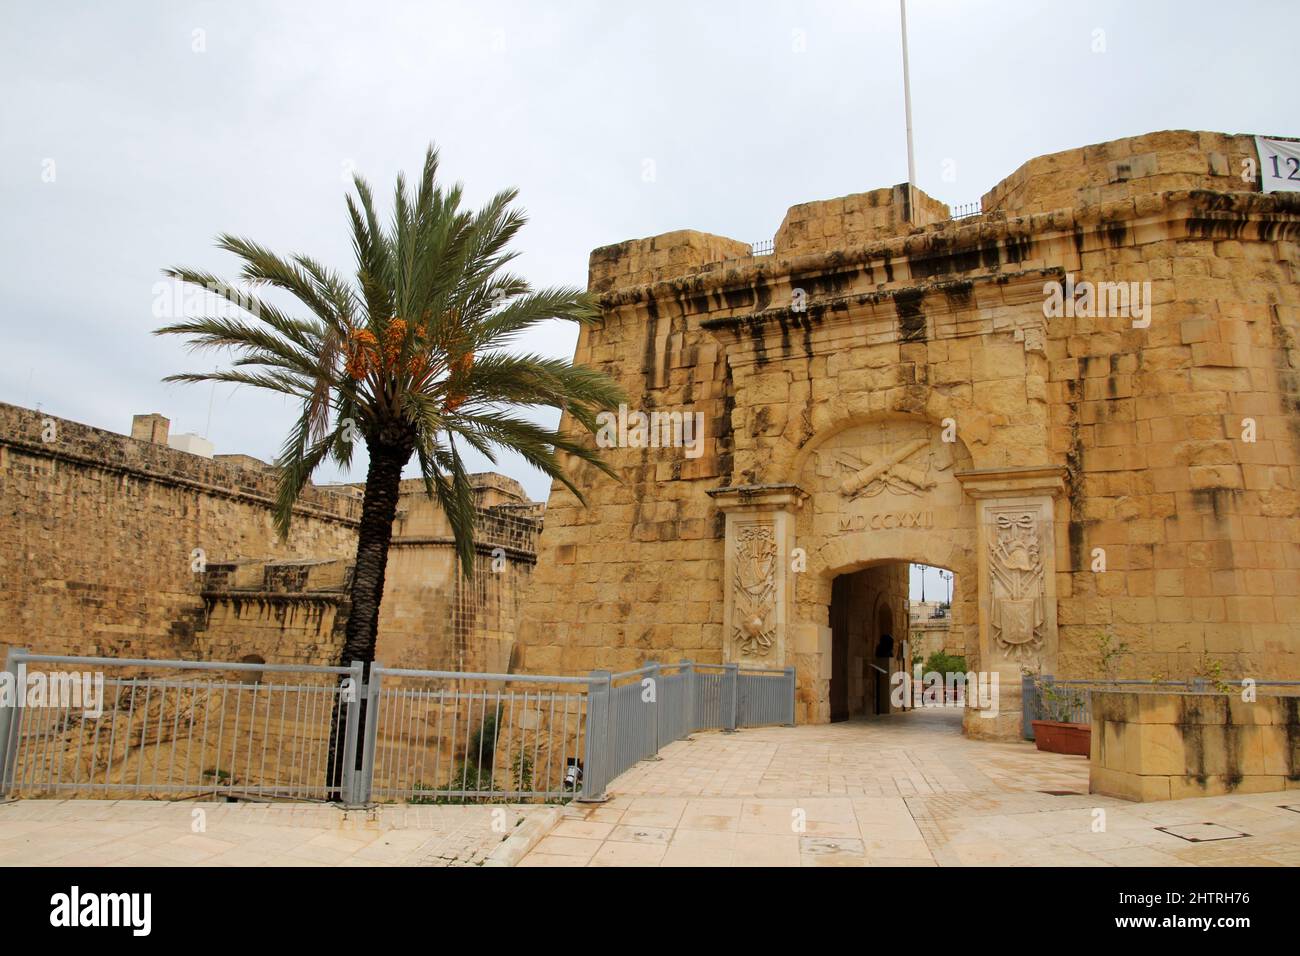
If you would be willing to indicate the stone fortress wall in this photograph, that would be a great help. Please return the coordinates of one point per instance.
(97, 542)
(97, 556)
(875, 391)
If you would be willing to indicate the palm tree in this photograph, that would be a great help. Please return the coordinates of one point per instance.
(411, 358)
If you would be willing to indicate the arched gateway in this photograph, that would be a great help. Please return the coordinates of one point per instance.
(832, 549)
(892, 386)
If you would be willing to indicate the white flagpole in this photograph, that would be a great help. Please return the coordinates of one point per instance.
(907, 106)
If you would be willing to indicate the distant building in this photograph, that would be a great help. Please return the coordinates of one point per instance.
(930, 629)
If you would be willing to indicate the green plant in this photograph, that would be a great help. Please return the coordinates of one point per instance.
(942, 662)
(1061, 702)
(1206, 668)
(522, 768)
(1058, 702)
(1210, 670)
(1110, 651)
(410, 356)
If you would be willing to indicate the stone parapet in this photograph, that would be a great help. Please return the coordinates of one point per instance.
(1155, 745)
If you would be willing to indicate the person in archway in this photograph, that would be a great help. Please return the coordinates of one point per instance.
(885, 659)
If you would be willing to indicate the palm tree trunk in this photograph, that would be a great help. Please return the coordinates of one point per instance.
(390, 450)
(378, 508)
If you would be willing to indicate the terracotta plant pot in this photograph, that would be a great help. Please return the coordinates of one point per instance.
(1058, 737)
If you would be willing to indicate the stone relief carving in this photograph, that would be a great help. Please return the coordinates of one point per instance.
(755, 590)
(1016, 585)
(901, 470)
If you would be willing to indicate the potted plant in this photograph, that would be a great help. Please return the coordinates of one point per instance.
(1057, 733)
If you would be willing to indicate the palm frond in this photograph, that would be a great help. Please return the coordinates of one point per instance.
(420, 338)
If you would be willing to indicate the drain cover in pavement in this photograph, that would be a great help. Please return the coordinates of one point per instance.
(1203, 832)
(821, 846)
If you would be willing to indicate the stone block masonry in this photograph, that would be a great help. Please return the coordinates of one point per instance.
(1164, 746)
(890, 385)
(97, 546)
(97, 557)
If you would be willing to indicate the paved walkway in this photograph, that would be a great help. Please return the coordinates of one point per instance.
(155, 833)
(907, 790)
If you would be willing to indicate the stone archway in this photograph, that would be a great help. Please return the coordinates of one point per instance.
(893, 489)
(882, 493)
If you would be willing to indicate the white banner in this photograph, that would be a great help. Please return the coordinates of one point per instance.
(1279, 164)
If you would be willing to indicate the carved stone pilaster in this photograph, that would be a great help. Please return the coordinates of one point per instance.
(1017, 564)
(1017, 581)
(758, 579)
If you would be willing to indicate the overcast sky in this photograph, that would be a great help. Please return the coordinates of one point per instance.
(131, 133)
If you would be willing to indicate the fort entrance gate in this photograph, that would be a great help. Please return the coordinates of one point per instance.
(890, 385)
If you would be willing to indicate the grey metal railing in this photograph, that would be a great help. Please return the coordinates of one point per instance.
(637, 712)
(1074, 697)
(177, 728)
(440, 736)
(181, 729)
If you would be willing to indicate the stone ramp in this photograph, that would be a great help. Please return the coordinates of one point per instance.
(904, 790)
(914, 753)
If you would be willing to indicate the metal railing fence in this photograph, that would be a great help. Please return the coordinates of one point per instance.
(439, 736)
(115, 728)
(1074, 697)
(636, 713)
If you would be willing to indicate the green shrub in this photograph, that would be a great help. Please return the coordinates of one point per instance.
(944, 663)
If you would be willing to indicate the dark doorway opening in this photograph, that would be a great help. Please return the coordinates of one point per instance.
(868, 636)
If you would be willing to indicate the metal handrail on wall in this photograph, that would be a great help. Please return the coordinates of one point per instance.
(1031, 703)
(180, 729)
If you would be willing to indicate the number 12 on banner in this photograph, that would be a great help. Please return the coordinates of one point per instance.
(1279, 164)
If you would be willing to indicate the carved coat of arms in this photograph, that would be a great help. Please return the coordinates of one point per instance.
(1016, 568)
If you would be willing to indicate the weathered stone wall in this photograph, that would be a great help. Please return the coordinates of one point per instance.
(283, 612)
(1164, 746)
(909, 399)
(1124, 169)
(96, 557)
(433, 618)
(854, 220)
(96, 546)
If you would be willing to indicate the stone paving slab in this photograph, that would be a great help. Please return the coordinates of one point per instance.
(906, 790)
(189, 833)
